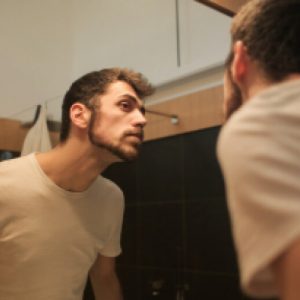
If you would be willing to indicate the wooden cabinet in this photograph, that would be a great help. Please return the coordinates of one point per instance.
(228, 7)
(204, 37)
(13, 133)
(166, 40)
(140, 35)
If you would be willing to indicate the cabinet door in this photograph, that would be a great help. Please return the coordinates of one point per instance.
(139, 34)
(204, 36)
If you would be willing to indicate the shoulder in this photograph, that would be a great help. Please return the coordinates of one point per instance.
(14, 173)
(108, 188)
(246, 128)
(14, 164)
(266, 123)
(109, 184)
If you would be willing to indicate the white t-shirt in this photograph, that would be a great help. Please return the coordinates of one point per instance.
(259, 152)
(49, 237)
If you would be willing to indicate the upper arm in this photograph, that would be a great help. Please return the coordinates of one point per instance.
(287, 272)
(104, 279)
(103, 267)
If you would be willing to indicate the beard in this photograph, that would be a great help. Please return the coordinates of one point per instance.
(122, 150)
(234, 99)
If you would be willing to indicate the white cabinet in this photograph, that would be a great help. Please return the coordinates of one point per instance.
(139, 34)
(45, 46)
(204, 36)
(164, 39)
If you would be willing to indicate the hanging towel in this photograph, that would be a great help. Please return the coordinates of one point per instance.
(37, 138)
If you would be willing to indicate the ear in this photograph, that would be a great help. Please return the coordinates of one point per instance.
(80, 115)
(239, 66)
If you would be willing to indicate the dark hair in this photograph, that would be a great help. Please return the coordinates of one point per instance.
(95, 83)
(270, 29)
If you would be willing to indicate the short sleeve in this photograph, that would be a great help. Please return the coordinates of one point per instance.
(259, 154)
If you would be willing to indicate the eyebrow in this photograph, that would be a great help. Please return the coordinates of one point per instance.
(141, 107)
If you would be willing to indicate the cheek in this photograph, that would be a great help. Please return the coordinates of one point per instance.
(232, 96)
(227, 94)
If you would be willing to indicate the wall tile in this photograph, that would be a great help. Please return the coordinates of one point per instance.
(176, 224)
(129, 282)
(202, 174)
(124, 175)
(129, 237)
(245, 297)
(160, 176)
(209, 244)
(157, 284)
(211, 287)
(160, 239)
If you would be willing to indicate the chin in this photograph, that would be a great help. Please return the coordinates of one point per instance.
(129, 156)
(125, 153)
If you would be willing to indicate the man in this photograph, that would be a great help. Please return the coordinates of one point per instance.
(259, 146)
(59, 219)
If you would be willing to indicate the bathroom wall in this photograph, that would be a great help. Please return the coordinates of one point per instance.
(176, 237)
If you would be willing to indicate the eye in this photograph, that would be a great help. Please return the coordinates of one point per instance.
(126, 105)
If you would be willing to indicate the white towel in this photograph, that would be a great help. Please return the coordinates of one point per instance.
(37, 138)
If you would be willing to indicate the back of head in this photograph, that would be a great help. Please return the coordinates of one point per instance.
(270, 30)
(95, 83)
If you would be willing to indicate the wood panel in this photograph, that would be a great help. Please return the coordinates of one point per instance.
(228, 7)
(13, 133)
(195, 111)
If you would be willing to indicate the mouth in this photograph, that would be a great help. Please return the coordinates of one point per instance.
(139, 136)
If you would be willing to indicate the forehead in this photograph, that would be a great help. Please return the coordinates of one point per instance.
(116, 92)
(119, 89)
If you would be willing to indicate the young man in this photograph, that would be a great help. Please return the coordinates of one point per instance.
(259, 146)
(60, 220)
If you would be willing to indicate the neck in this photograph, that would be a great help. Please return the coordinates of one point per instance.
(258, 83)
(74, 165)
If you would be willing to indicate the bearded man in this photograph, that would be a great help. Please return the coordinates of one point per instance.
(60, 220)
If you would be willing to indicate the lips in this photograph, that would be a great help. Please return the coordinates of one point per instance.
(139, 135)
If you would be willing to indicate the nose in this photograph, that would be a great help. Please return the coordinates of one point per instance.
(140, 118)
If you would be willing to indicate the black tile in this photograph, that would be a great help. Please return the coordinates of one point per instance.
(157, 284)
(211, 287)
(124, 175)
(245, 297)
(208, 238)
(160, 171)
(128, 277)
(202, 173)
(128, 256)
(160, 235)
